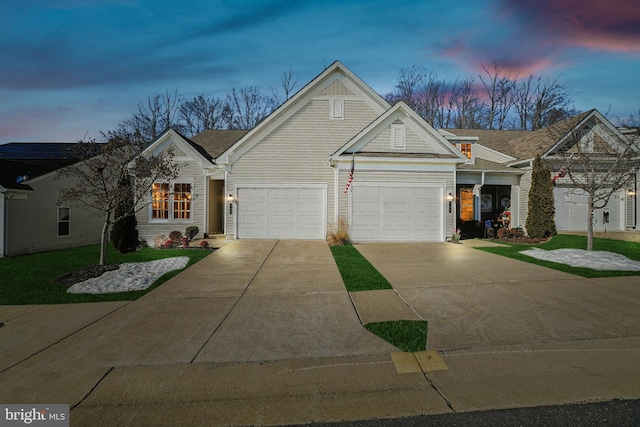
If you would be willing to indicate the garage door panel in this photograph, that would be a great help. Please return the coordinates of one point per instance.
(398, 206)
(280, 213)
(571, 206)
(390, 212)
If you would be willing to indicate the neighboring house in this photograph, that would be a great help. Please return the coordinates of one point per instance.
(31, 219)
(513, 153)
(287, 178)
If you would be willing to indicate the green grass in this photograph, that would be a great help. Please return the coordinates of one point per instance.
(28, 279)
(629, 249)
(407, 335)
(357, 273)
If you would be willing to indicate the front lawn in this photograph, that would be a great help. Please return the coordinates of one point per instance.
(28, 279)
(357, 273)
(568, 241)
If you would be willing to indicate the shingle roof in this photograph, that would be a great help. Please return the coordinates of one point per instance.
(36, 150)
(217, 141)
(523, 144)
(483, 165)
(495, 139)
(31, 159)
(541, 140)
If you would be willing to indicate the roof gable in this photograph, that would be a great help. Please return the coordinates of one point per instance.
(183, 147)
(335, 80)
(425, 141)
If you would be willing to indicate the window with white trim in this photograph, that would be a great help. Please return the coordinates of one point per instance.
(465, 148)
(398, 141)
(337, 109)
(181, 201)
(171, 201)
(64, 220)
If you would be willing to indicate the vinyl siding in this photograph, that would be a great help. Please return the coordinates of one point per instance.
(409, 177)
(32, 223)
(297, 151)
(190, 172)
(337, 88)
(484, 153)
(382, 143)
(523, 200)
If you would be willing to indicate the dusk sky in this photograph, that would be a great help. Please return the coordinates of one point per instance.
(71, 68)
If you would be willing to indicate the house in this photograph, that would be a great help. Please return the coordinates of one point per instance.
(31, 219)
(514, 152)
(286, 178)
(337, 150)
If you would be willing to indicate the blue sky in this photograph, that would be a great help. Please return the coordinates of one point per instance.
(71, 68)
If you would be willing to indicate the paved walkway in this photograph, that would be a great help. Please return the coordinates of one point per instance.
(263, 332)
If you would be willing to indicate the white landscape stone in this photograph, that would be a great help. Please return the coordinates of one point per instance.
(129, 277)
(596, 260)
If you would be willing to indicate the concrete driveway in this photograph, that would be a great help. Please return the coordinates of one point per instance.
(263, 332)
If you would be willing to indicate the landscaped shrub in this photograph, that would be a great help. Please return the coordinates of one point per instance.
(175, 236)
(191, 231)
(339, 236)
(540, 220)
(160, 240)
(185, 242)
(204, 244)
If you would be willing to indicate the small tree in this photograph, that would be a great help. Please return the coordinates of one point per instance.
(540, 219)
(100, 172)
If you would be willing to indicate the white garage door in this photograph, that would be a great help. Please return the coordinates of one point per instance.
(384, 212)
(572, 211)
(294, 213)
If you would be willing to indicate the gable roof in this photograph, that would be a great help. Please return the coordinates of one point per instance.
(191, 149)
(333, 72)
(216, 141)
(442, 149)
(543, 140)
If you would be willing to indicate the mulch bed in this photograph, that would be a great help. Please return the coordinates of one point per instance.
(84, 273)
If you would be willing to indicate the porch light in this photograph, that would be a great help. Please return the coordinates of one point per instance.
(231, 201)
(631, 192)
(450, 200)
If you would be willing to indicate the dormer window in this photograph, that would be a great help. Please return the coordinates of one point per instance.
(398, 141)
(465, 149)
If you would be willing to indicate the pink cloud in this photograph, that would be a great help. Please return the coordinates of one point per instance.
(599, 24)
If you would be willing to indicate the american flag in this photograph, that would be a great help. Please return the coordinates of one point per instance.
(353, 164)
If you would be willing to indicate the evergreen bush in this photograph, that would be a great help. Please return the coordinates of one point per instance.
(540, 220)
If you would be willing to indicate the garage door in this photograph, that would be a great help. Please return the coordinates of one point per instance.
(385, 212)
(572, 211)
(294, 213)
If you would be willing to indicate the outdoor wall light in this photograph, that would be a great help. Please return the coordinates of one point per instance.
(231, 201)
(631, 192)
(450, 200)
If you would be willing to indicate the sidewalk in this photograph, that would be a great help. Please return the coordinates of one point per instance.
(263, 333)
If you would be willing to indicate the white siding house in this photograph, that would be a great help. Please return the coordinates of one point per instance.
(338, 151)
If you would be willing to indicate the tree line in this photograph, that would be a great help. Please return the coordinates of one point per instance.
(493, 99)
